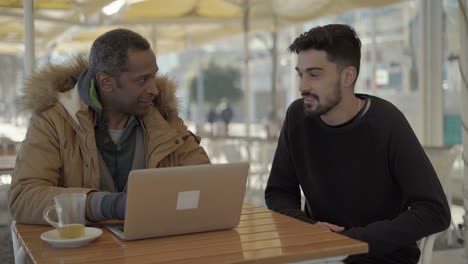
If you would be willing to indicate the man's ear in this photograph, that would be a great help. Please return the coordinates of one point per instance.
(348, 75)
(105, 81)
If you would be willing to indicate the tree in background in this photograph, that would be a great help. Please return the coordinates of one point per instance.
(220, 82)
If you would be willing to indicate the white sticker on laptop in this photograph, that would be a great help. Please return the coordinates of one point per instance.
(188, 200)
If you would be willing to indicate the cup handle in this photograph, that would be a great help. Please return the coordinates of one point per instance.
(45, 214)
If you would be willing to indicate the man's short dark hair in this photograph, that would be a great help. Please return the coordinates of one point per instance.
(339, 41)
(109, 52)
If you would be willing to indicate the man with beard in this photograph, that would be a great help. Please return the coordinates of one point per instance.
(91, 125)
(359, 164)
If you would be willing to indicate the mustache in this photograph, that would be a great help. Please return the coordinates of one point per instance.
(310, 94)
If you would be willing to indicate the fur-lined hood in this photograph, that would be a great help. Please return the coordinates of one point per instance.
(45, 87)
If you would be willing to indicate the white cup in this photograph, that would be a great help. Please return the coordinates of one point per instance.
(70, 208)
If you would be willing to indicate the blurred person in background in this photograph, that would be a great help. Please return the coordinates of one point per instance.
(212, 116)
(226, 115)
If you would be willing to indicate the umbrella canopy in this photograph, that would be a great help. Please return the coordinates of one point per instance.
(73, 24)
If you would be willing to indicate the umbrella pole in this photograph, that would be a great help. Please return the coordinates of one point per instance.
(247, 92)
(28, 7)
(463, 63)
(274, 69)
(430, 72)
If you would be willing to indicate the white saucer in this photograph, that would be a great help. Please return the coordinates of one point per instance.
(53, 237)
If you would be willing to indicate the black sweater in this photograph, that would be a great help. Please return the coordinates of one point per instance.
(370, 176)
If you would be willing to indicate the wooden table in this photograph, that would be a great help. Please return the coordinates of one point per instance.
(262, 236)
(7, 163)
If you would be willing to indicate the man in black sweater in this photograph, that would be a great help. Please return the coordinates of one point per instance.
(359, 164)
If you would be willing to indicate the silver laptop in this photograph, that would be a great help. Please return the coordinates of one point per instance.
(182, 200)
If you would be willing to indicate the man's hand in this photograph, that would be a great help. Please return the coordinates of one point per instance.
(330, 227)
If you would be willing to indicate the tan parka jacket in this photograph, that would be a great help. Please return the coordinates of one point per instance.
(59, 153)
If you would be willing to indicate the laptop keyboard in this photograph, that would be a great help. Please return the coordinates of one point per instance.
(119, 227)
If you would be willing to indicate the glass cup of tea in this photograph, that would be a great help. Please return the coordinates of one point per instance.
(70, 209)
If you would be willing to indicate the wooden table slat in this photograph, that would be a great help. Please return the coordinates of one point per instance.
(189, 244)
(275, 255)
(262, 236)
(254, 210)
(182, 251)
(257, 216)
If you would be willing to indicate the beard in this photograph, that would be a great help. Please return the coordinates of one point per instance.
(329, 102)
